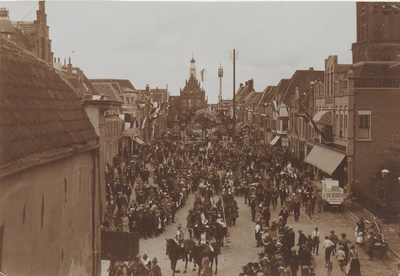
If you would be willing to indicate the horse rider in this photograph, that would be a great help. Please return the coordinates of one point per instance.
(205, 237)
(180, 235)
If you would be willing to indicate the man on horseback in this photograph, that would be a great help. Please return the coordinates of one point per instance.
(180, 235)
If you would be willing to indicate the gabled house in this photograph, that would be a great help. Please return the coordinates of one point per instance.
(49, 171)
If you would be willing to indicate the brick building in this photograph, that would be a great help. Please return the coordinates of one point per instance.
(192, 97)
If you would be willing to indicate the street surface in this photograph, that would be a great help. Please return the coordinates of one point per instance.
(240, 247)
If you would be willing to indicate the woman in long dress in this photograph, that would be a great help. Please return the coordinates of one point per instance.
(353, 268)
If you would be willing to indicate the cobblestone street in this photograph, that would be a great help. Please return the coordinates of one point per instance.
(240, 247)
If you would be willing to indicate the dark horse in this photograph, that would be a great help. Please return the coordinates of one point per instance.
(220, 233)
(175, 252)
(198, 251)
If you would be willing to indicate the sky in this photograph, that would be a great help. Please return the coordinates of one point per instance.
(153, 42)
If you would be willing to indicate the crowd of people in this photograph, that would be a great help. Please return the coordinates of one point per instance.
(263, 174)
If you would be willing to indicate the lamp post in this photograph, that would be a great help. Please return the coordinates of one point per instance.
(385, 173)
(399, 214)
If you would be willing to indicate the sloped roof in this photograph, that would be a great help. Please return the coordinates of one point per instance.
(108, 90)
(300, 79)
(266, 94)
(242, 93)
(122, 82)
(19, 38)
(39, 111)
(253, 98)
(280, 88)
(28, 29)
(376, 69)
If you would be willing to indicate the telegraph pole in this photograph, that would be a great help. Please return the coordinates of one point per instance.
(234, 58)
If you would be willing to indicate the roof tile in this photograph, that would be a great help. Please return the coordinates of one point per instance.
(39, 111)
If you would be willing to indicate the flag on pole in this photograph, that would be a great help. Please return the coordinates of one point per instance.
(202, 74)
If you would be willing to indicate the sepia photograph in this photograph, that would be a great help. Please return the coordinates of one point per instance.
(199, 138)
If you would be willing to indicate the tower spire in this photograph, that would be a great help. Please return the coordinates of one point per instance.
(220, 75)
(192, 67)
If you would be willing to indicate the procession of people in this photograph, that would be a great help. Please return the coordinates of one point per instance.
(144, 195)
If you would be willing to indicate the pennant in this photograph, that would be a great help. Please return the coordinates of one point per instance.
(202, 72)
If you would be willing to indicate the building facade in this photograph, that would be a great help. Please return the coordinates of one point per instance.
(49, 172)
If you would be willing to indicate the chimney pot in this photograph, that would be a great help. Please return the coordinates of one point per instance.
(311, 68)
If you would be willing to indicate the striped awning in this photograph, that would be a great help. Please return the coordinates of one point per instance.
(323, 118)
(325, 159)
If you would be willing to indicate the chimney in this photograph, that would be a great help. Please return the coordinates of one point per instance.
(311, 68)
(69, 72)
(6, 26)
(241, 85)
(246, 83)
(147, 88)
(251, 84)
(41, 13)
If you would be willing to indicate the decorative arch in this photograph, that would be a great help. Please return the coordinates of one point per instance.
(205, 112)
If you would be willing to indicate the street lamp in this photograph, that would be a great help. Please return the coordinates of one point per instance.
(385, 173)
(399, 215)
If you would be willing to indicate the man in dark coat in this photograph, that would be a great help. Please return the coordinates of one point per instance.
(296, 209)
(302, 240)
(284, 214)
(267, 215)
(294, 262)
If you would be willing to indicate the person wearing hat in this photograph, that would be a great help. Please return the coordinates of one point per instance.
(319, 201)
(341, 257)
(294, 261)
(180, 235)
(316, 236)
(284, 214)
(296, 209)
(155, 270)
(328, 246)
(245, 270)
(345, 242)
(334, 238)
(304, 255)
(250, 270)
(301, 240)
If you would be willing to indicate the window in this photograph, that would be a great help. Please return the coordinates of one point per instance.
(341, 124)
(364, 124)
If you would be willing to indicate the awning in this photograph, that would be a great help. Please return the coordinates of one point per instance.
(140, 142)
(326, 160)
(323, 118)
(273, 142)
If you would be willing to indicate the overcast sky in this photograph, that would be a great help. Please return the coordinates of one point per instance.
(153, 42)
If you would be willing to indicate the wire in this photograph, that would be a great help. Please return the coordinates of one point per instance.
(30, 11)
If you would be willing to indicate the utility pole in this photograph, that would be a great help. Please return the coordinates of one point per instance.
(234, 58)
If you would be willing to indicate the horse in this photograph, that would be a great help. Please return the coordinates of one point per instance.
(198, 251)
(176, 252)
(220, 233)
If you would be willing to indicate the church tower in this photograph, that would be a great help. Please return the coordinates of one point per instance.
(192, 68)
(378, 32)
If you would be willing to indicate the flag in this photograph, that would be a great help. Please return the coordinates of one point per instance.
(311, 120)
(275, 107)
(202, 74)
